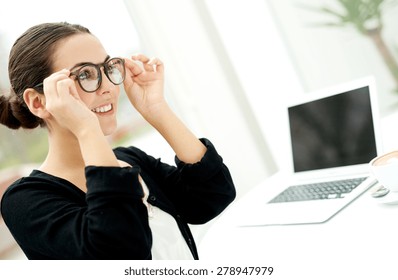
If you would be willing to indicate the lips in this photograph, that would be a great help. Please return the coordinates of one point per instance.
(103, 109)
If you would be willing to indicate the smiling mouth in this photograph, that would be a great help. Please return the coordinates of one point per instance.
(103, 109)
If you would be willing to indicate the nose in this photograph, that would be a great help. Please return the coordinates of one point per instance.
(106, 84)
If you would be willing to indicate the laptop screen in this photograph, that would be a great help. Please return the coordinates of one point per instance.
(333, 131)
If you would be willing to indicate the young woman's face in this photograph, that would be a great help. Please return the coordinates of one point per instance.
(86, 48)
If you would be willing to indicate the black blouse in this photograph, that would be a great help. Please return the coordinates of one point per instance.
(50, 218)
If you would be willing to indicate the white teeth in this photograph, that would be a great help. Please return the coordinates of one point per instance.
(103, 109)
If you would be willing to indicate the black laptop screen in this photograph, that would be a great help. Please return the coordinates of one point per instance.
(333, 131)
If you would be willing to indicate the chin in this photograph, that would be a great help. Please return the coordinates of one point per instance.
(109, 129)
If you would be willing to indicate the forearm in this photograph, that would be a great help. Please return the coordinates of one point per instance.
(95, 149)
(185, 144)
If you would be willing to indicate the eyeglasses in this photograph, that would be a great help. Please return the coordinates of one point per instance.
(89, 75)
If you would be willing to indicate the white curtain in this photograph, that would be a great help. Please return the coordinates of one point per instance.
(202, 85)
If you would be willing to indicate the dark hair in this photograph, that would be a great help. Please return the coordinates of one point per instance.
(30, 62)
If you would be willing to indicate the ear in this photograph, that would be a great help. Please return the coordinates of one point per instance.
(36, 103)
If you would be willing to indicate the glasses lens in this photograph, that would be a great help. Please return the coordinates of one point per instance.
(115, 70)
(89, 78)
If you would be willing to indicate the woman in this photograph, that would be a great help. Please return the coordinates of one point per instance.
(87, 201)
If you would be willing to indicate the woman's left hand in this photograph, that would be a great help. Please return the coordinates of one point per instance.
(144, 83)
(144, 87)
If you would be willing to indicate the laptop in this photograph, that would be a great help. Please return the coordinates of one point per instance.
(334, 134)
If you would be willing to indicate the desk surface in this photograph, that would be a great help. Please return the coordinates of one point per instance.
(360, 242)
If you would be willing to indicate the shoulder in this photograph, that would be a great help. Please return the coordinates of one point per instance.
(35, 187)
(24, 183)
(35, 196)
(39, 179)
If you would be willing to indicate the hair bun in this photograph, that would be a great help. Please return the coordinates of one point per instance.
(15, 114)
(6, 116)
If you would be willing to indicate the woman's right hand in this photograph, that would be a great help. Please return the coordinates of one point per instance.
(64, 104)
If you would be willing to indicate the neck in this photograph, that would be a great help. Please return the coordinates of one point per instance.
(64, 150)
(64, 158)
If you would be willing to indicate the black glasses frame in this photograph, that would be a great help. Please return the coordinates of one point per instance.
(98, 68)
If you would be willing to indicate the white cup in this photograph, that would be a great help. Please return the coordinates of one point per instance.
(385, 170)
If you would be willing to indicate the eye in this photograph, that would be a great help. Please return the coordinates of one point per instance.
(87, 73)
(113, 64)
(111, 69)
(83, 75)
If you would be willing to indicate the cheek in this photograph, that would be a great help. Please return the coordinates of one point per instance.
(86, 98)
(117, 92)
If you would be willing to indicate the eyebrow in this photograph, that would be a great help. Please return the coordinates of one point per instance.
(85, 63)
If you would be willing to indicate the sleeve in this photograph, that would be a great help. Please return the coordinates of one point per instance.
(200, 191)
(112, 224)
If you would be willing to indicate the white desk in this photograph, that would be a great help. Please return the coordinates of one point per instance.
(360, 242)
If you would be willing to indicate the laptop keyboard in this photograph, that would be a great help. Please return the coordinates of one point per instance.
(323, 190)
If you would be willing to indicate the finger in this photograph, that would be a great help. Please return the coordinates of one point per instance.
(67, 87)
(134, 67)
(145, 62)
(156, 64)
(140, 57)
(62, 73)
(150, 65)
(73, 91)
(49, 83)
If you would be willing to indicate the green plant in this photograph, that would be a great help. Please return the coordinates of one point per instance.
(366, 16)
